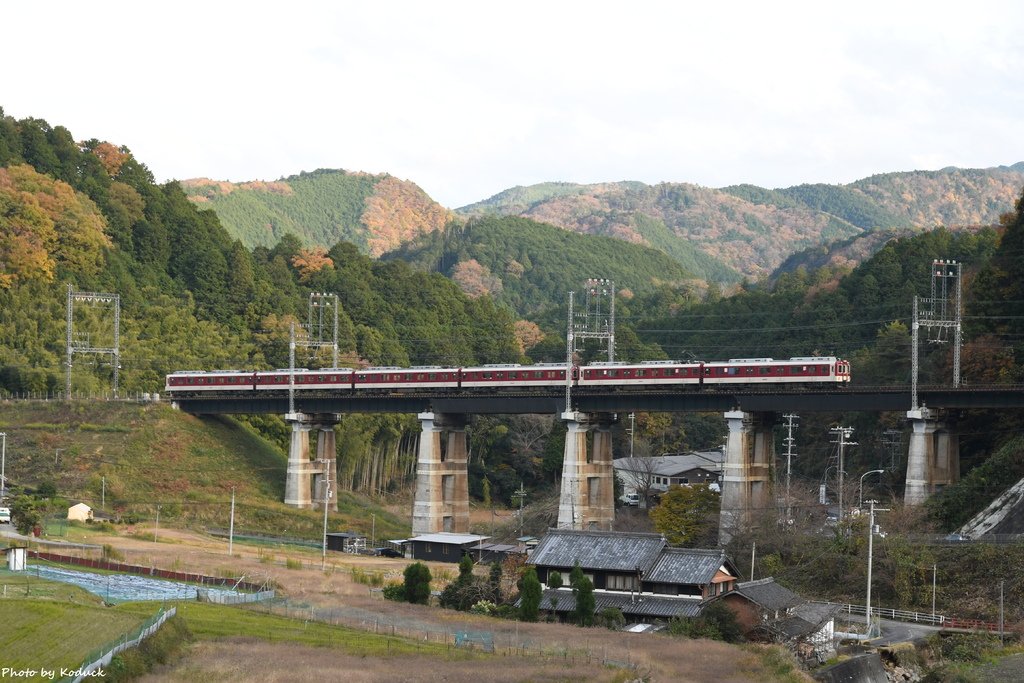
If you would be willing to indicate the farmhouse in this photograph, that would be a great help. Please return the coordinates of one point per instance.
(636, 572)
(444, 546)
(650, 477)
(770, 612)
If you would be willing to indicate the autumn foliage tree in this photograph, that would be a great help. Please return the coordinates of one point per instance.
(687, 515)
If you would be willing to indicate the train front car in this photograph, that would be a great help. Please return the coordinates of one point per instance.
(797, 371)
(186, 383)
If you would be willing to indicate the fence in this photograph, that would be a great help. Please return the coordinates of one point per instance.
(203, 595)
(101, 657)
(129, 397)
(894, 614)
(507, 642)
(187, 577)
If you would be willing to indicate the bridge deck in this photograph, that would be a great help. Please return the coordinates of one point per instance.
(845, 399)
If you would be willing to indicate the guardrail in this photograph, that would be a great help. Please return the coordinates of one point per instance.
(894, 614)
(939, 620)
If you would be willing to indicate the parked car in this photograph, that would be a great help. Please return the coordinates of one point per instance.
(387, 552)
(5, 515)
(631, 499)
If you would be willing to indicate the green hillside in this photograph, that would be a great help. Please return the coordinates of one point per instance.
(88, 214)
(321, 208)
(147, 455)
(532, 266)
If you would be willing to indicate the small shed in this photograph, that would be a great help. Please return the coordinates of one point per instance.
(16, 559)
(346, 542)
(444, 546)
(79, 512)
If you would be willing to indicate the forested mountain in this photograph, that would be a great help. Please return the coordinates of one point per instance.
(192, 297)
(321, 208)
(531, 266)
(752, 230)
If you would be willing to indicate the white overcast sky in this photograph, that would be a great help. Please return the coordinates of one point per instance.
(469, 98)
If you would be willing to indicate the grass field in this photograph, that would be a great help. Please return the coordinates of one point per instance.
(213, 622)
(52, 634)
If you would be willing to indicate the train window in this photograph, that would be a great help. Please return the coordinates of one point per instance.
(803, 368)
(433, 376)
(765, 371)
(707, 371)
(639, 373)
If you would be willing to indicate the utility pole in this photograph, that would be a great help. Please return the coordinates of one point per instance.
(327, 495)
(231, 526)
(632, 429)
(843, 434)
(521, 495)
(789, 463)
(871, 540)
(570, 347)
(1000, 613)
(321, 322)
(373, 529)
(943, 311)
(933, 592)
(753, 556)
(103, 493)
(291, 371)
(3, 466)
(156, 529)
(73, 346)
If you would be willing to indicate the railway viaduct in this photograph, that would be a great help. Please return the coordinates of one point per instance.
(586, 501)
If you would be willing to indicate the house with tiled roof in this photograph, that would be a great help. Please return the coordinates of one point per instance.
(768, 611)
(637, 573)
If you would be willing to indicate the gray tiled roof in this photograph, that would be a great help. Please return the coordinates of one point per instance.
(686, 565)
(671, 465)
(597, 550)
(768, 594)
(645, 605)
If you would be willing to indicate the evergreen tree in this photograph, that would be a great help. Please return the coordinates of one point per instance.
(417, 583)
(530, 596)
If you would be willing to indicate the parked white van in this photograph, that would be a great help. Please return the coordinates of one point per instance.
(5, 515)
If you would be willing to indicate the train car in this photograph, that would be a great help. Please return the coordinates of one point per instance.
(190, 381)
(308, 380)
(643, 374)
(799, 370)
(423, 377)
(513, 375)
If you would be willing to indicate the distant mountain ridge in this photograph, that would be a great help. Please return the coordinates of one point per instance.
(718, 235)
(753, 229)
(375, 212)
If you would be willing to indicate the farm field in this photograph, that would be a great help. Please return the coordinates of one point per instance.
(45, 633)
(234, 643)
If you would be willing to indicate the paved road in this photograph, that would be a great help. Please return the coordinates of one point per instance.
(903, 632)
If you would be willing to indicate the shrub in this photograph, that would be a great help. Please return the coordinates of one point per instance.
(394, 591)
(611, 618)
(292, 564)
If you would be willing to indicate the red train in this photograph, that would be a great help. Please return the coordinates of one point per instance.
(811, 370)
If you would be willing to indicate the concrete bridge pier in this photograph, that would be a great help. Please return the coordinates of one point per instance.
(305, 478)
(746, 480)
(442, 476)
(933, 458)
(587, 498)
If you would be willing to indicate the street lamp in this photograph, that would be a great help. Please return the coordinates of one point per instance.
(860, 497)
(871, 543)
